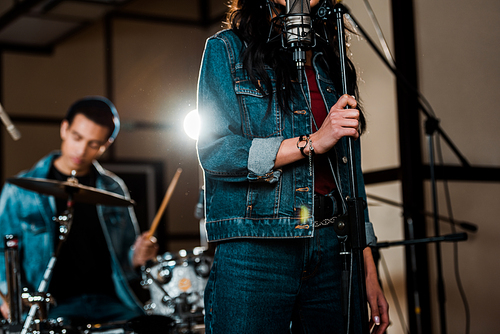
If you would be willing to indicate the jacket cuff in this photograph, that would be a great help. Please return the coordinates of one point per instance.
(261, 158)
(371, 239)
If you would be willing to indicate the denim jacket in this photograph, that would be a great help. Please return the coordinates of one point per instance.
(245, 197)
(28, 215)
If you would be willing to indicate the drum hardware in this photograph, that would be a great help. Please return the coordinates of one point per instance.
(117, 327)
(73, 192)
(148, 280)
(144, 324)
(42, 299)
(202, 267)
(176, 283)
(36, 321)
(70, 190)
(39, 302)
(49, 326)
(13, 278)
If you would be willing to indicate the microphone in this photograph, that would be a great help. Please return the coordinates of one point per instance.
(13, 131)
(298, 31)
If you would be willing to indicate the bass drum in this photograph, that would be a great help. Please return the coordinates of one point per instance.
(176, 283)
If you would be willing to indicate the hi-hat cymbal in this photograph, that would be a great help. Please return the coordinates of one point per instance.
(62, 189)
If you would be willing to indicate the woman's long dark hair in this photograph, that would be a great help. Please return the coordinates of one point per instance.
(251, 21)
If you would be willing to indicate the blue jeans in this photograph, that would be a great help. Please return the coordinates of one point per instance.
(276, 286)
(92, 309)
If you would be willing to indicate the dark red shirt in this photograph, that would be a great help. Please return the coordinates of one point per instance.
(323, 182)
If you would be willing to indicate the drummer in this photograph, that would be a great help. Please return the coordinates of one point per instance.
(103, 249)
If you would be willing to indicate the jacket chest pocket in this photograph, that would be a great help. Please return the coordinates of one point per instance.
(257, 122)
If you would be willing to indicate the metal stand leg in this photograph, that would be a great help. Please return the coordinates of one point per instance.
(65, 221)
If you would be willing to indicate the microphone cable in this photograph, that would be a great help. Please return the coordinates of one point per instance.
(456, 268)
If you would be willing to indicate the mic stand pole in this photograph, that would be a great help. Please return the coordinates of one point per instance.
(432, 125)
(471, 227)
(65, 221)
(445, 238)
(356, 222)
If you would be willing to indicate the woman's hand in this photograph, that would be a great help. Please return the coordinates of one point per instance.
(379, 308)
(339, 122)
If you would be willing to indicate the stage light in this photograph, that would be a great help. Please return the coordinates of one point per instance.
(192, 124)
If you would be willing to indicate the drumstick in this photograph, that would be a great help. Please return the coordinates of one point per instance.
(168, 194)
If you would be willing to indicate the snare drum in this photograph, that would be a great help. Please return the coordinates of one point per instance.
(176, 283)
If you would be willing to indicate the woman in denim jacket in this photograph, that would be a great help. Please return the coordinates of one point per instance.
(275, 180)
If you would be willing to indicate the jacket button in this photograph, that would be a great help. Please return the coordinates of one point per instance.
(344, 160)
(329, 89)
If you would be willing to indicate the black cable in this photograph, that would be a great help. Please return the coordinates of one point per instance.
(455, 244)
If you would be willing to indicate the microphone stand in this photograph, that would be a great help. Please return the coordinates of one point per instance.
(432, 126)
(444, 238)
(471, 227)
(430, 129)
(355, 221)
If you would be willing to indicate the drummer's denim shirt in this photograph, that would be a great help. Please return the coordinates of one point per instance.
(28, 215)
(245, 196)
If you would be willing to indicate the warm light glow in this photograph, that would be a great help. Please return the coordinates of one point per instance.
(192, 124)
(304, 214)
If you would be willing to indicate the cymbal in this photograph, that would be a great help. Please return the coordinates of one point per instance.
(62, 189)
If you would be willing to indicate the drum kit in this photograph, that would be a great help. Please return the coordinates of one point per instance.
(175, 281)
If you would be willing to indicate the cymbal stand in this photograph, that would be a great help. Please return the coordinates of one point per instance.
(13, 277)
(42, 297)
